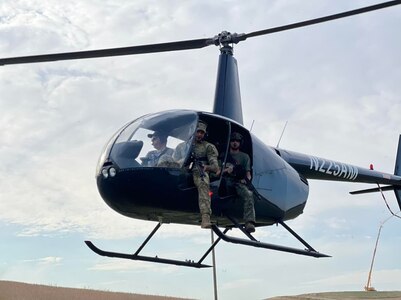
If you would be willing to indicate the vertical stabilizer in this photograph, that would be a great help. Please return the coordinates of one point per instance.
(227, 99)
(397, 171)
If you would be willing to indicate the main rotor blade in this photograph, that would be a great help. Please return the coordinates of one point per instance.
(186, 45)
(151, 48)
(323, 19)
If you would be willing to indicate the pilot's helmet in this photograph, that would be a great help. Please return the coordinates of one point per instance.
(236, 136)
(202, 126)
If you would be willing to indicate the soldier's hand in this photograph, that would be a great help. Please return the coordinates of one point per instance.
(229, 168)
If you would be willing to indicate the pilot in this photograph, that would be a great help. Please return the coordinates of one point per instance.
(205, 155)
(159, 142)
(237, 171)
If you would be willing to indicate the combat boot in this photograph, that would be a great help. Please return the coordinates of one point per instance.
(249, 227)
(206, 221)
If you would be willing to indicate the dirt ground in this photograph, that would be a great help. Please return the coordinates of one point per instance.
(343, 296)
(10, 290)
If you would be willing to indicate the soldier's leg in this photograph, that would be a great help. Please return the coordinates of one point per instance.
(247, 196)
(249, 210)
(203, 199)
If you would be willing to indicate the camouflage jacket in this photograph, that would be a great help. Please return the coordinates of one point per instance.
(207, 153)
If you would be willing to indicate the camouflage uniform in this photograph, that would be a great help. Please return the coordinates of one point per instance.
(207, 153)
(247, 196)
(176, 158)
(242, 159)
(153, 157)
(181, 151)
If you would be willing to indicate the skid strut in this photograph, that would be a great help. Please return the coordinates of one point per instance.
(136, 256)
(255, 243)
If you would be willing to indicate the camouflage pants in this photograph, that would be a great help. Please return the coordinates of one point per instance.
(247, 196)
(203, 193)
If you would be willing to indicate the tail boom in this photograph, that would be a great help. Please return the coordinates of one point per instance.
(312, 167)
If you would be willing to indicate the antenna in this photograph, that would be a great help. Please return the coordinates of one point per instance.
(279, 140)
(253, 122)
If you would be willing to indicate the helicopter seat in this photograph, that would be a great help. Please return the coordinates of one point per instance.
(125, 153)
(226, 188)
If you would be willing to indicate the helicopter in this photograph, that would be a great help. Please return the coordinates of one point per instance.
(280, 177)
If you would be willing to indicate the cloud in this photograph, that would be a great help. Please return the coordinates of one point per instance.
(46, 261)
(337, 84)
(63, 113)
(242, 284)
(132, 266)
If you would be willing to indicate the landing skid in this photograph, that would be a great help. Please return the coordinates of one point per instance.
(186, 263)
(251, 241)
(136, 256)
(309, 251)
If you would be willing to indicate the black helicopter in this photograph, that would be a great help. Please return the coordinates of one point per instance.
(279, 177)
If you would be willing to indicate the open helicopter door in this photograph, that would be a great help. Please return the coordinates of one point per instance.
(219, 130)
(225, 190)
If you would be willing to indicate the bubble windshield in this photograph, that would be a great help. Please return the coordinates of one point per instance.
(156, 140)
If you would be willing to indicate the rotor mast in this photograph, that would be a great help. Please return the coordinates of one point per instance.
(227, 99)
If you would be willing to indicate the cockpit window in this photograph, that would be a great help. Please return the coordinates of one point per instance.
(156, 140)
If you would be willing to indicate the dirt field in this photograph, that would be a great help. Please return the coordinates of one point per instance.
(344, 296)
(10, 290)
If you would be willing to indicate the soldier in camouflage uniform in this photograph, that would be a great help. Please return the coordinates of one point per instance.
(205, 153)
(238, 171)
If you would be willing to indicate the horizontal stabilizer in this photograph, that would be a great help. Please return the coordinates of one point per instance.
(373, 190)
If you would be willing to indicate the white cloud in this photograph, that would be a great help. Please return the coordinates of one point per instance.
(46, 261)
(243, 284)
(132, 266)
(337, 84)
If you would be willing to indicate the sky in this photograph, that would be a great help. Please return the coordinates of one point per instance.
(337, 84)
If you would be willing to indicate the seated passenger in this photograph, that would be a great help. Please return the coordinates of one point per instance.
(181, 151)
(159, 142)
(177, 158)
(237, 172)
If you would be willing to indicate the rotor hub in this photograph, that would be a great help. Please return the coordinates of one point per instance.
(225, 38)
